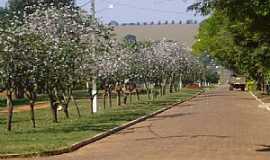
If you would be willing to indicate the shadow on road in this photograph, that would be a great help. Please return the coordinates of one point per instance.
(246, 99)
(266, 148)
(182, 136)
(161, 117)
(216, 95)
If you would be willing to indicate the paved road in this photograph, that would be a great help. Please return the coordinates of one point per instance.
(219, 125)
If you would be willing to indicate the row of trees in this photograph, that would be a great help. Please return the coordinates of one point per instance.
(237, 34)
(54, 49)
(189, 21)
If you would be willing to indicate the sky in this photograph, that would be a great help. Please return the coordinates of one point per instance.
(132, 11)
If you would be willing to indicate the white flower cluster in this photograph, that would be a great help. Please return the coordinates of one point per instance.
(55, 48)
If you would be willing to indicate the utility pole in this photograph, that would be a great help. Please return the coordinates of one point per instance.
(94, 78)
(93, 9)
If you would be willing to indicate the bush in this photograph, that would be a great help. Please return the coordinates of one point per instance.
(251, 85)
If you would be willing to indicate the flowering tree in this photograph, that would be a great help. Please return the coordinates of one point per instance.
(56, 48)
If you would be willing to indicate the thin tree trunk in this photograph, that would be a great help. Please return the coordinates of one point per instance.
(153, 92)
(54, 105)
(130, 97)
(110, 97)
(137, 94)
(10, 110)
(91, 97)
(148, 93)
(118, 98)
(160, 90)
(164, 90)
(54, 109)
(76, 105)
(19, 92)
(104, 100)
(125, 98)
(91, 104)
(65, 106)
(171, 87)
(147, 90)
(32, 113)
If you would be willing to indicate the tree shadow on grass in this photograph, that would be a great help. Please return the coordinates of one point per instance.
(2, 121)
(95, 124)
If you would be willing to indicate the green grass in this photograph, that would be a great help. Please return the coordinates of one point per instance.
(48, 136)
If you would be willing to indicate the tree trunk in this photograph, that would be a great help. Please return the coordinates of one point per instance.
(32, 113)
(130, 97)
(10, 110)
(164, 89)
(160, 90)
(137, 94)
(91, 97)
(104, 100)
(119, 98)
(91, 104)
(125, 98)
(76, 105)
(110, 97)
(171, 84)
(171, 87)
(65, 107)
(148, 93)
(19, 92)
(153, 92)
(54, 109)
(175, 87)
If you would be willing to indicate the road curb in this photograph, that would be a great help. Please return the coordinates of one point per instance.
(259, 100)
(262, 104)
(100, 136)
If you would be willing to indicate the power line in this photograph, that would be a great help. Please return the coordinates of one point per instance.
(135, 7)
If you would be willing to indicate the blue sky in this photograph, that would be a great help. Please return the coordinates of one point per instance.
(127, 11)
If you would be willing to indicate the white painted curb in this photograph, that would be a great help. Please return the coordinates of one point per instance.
(262, 104)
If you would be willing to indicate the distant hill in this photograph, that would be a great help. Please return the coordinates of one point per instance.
(178, 32)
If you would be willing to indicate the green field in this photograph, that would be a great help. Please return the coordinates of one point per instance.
(48, 136)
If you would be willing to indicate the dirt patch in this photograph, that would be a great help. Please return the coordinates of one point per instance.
(193, 86)
(26, 108)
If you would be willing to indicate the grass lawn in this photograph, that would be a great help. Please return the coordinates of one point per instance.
(48, 136)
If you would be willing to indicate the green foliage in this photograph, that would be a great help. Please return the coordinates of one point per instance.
(212, 77)
(251, 85)
(237, 33)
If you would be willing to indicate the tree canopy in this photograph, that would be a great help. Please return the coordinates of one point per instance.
(237, 33)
